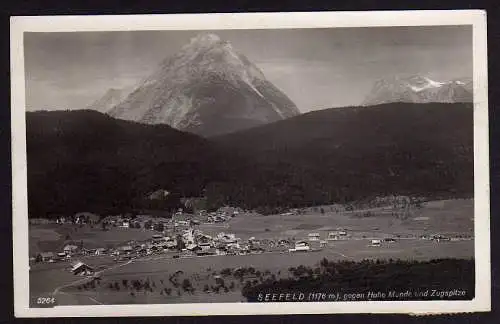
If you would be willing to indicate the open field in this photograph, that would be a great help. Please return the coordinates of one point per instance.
(452, 217)
(200, 270)
(447, 216)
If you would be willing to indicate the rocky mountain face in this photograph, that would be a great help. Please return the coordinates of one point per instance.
(207, 88)
(419, 89)
(111, 98)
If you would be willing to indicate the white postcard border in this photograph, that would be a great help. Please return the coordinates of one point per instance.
(476, 18)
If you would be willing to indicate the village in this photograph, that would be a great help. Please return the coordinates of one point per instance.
(181, 237)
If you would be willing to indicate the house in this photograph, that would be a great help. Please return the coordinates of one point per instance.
(87, 251)
(70, 249)
(100, 251)
(323, 243)
(233, 246)
(333, 236)
(220, 252)
(375, 242)
(61, 220)
(337, 235)
(158, 238)
(300, 246)
(160, 194)
(314, 236)
(61, 255)
(205, 245)
(172, 243)
(256, 250)
(283, 242)
(144, 251)
(80, 268)
(204, 239)
(126, 249)
(439, 238)
(125, 224)
(188, 236)
(86, 218)
(226, 238)
(210, 251)
(45, 257)
(389, 239)
(193, 247)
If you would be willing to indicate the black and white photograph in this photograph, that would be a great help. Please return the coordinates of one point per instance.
(250, 163)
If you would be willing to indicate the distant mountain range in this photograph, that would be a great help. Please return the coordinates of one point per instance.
(419, 89)
(207, 88)
(84, 160)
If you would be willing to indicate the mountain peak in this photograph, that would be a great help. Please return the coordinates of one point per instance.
(418, 89)
(205, 39)
(207, 88)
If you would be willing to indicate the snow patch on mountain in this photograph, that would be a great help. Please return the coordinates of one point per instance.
(419, 89)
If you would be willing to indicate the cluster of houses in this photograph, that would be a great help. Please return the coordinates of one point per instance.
(179, 218)
(68, 251)
(315, 240)
(189, 241)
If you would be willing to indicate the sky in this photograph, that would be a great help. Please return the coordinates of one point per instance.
(315, 68)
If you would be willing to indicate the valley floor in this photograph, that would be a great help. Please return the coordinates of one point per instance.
(162, 279)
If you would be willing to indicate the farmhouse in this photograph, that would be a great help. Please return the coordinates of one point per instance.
(80, 268)
(314, 236)
(300, 246)
(45, 257)
(375, 242)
